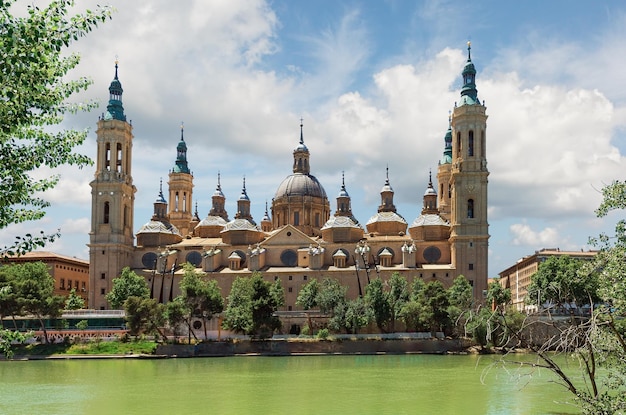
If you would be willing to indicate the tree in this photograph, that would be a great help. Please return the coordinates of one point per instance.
(597, 342)
(434, 300)
(377, 300)
(461, 298)
(175, 314)
(398, 297)
(34, 94)
(307, 299)
(74, 301)
(144, 316)
(35, 292)
(358, 315)
(558, 282)
(128, 284)
(251, 306)
(202, 299)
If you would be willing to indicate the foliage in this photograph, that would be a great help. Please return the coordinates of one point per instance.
(127, 285)
(200, 298)
(251, 306)
(82, 325)
(498, 296)
(88, 348)
(35, 93)
(329, 296)
(175, 314)
(559, 282)
(74, 301)
(461, 298)
(358, 315)
(597, 342)
(323, 334)
(377, 301)
(31, 292)
(144, 316)
(7, 338)
(398, 297)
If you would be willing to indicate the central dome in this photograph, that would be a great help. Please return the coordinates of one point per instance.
(299, 184)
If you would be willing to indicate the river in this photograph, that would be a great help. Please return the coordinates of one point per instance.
(384, 384)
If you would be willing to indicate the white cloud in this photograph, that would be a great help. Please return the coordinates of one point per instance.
(524, 235)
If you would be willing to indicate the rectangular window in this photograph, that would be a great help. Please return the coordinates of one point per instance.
(305, 277)
(471, 267)
(290, 289)
(102, 291)
(69, 284)
(296, 218)
(290, 277)
(102, 276)
(62, 284)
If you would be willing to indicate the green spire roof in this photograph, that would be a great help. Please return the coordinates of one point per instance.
(181, 155)
(115, 109)
(469, 94)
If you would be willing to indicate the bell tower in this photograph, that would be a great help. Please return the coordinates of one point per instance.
(468, 181)
(181, 189)
(112, 199)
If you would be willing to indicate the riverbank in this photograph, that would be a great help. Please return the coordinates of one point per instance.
(292, 346)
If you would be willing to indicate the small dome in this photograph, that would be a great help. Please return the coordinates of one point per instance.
(212, 221)
(155, 226)
(429, 220)
(299, 184)
(340, 222)
(239, 225)
(430, 191)
(386, 217)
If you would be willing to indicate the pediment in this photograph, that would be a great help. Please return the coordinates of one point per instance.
(289, 235)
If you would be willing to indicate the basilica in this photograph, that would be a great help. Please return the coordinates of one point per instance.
(303, 235)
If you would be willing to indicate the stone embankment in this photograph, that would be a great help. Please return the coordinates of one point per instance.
(299, 347)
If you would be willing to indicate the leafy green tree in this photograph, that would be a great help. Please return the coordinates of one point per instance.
(35, 292)
(331, 295)
(238, 314)
(497, 296)
(461, 299)
(35, 90)
(559, 282)
(176, 314)
(377, 300)
(307, 299)
(7, 338)
(251, 306)
(435, 302)
(411, 314)
(358, 315)
(144, 316)
(128, 284)
(202, 298)
(9, 305)
(398, 297)
(74, 301)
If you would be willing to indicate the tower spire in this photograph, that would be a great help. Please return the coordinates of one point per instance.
(469, 93)
(115, 109)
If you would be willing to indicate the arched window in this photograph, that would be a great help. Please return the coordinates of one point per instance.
(106, 212)
(458, 144)
(470, 208)
(107, 156)
(118, 158)
(470, 147)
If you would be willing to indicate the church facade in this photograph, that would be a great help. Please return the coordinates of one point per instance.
(300, 237)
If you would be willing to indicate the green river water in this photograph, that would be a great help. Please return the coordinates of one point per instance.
(387, 384)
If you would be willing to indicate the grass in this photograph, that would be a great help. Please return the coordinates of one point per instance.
(90, 348)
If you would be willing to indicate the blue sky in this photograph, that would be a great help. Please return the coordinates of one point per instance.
(374, 82)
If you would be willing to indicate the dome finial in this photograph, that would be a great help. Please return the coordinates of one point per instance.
(219, 185)
(182, 130)
(343, 181)
(301, 133)
(387, 179)
(116, 62)
(430, 177)
(469, 50)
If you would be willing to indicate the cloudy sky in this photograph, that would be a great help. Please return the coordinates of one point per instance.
(374, 83)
